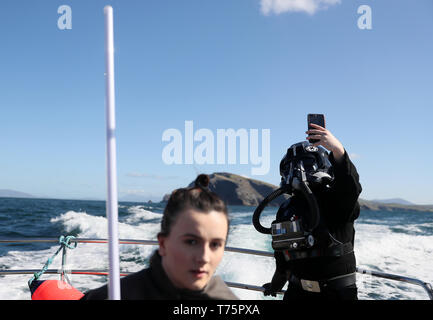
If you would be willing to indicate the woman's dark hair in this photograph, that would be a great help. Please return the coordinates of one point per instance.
(198, 197)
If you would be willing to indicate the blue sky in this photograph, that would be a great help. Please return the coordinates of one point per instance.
(221, 64)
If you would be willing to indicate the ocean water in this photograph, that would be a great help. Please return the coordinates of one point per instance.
(392, 242)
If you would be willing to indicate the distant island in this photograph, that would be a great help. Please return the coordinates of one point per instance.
(379, 206)
(7, 193)
(238, 190)
(394, 200)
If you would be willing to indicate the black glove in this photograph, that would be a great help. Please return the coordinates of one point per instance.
(269, 291)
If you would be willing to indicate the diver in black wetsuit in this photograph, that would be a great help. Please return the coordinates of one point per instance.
(325, 270)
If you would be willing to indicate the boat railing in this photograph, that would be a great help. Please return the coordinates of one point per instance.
(425, 285)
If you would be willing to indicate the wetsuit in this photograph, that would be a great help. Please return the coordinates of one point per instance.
(153, 284)
(339, 208)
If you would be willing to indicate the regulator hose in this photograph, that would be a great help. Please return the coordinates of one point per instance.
(256, 216)
(312, 220)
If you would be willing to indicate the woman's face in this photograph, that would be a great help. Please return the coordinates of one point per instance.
(194, 248)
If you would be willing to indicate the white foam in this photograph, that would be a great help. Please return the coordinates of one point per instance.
(139, 214)
(246, 269)
(85, 256)
(377, 247)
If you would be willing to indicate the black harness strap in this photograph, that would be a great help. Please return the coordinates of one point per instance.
(334, 251)
(320, 285)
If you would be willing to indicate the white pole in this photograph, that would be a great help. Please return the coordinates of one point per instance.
(112, 209)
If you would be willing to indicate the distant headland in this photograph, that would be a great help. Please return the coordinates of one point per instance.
(238, 190)
(7, 193)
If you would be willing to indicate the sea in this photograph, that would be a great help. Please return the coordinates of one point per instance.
(399, 243)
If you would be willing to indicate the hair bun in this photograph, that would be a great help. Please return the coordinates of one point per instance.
(202, 181)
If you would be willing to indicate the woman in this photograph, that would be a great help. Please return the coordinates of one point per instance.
(194, 230)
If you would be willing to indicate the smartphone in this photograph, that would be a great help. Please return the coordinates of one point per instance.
(315, 118)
